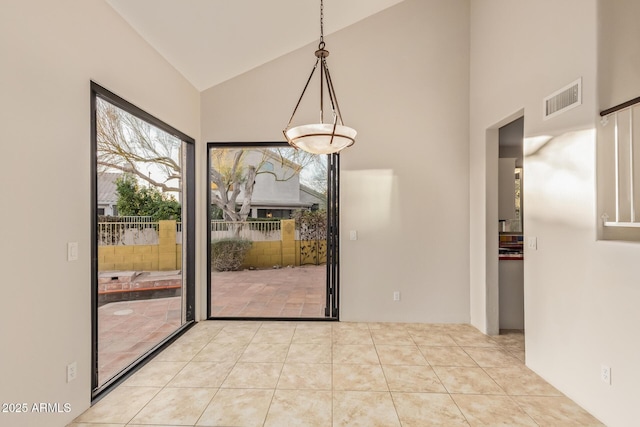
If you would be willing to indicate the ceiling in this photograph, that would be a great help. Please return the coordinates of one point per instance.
(210, 41)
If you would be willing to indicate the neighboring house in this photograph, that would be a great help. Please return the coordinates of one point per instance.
(277, 191)
(309, 195)
(107, 194)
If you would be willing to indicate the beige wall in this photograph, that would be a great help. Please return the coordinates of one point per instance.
(402, 80)
(50, 51)
(580, 294)
(618, 56)
(518, 56)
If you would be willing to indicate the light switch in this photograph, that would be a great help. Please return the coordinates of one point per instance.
(353, 235)
(532, 243)
(72, 251)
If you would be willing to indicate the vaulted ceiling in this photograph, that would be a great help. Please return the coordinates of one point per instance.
(210, 41)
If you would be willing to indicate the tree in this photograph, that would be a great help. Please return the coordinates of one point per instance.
(134, 200)
(135, 147)
(233, 173)
(131, 145)
(229, 176)
(313, 169)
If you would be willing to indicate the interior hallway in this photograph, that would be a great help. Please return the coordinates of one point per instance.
(337, 374)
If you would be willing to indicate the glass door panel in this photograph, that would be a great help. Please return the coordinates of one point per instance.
(268, 216)
(140, 245)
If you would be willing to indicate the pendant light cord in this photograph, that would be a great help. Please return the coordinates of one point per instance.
(321, 44)
(313, 138)
(321, 55)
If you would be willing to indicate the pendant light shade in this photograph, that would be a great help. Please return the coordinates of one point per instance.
(321, 138)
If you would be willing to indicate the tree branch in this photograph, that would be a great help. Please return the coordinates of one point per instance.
(135, 172)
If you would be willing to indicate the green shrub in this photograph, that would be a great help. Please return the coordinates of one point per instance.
(228, 254)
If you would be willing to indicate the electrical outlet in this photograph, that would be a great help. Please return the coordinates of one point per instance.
(605, 374)
(532, 243)
(72, 371)
(396, 296)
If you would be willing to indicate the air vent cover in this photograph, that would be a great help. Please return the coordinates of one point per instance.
(563, 100)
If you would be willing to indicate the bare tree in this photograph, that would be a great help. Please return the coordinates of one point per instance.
(229, 175)
(314, 166)
(234, 174)
(132, 145)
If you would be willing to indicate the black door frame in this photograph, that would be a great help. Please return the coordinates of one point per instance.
(333, 237)
(332, 311)
(189, 218)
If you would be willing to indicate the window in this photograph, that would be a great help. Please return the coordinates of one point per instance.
(619, 172)
(146, 167)
(267, 167)
(274, 213)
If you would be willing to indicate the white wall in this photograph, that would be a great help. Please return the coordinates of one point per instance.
(401, 77)
(50, 51)
(581, 295)
(618, 54)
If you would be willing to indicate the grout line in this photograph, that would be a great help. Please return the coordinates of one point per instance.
(501, 346)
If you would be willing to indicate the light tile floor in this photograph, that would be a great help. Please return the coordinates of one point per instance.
(336, 374)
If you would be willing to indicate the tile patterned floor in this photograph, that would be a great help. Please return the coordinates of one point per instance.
(336, 374)
(128, 329)
(282, 292)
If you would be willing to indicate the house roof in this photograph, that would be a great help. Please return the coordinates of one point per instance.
(107, 193)
(312, 192)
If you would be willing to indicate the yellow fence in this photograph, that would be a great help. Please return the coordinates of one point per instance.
(165, 256)
(270, 254)
(287, 251)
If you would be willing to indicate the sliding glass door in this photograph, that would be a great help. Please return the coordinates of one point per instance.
(272, 232)
(143, 235)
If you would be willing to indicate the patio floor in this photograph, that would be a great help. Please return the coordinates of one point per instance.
(128, 329)
(283, 292)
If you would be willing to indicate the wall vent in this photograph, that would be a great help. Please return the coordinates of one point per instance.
(563, 100)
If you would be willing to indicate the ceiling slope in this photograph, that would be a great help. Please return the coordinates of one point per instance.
(210, 41)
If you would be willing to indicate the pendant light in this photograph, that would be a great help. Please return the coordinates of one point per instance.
(321, 138)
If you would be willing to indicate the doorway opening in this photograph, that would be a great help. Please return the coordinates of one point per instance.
(273, 242)
(510, 218)
(503, 226)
